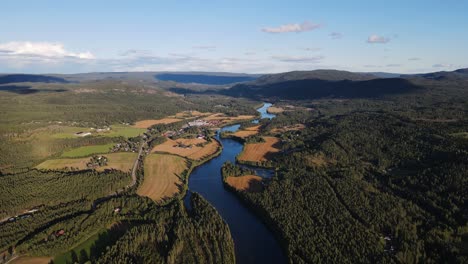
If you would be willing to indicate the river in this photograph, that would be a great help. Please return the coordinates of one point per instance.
(254, 242)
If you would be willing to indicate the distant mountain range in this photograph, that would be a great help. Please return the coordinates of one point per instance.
(289, 85)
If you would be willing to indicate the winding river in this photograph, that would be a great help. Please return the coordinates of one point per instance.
(254, 242)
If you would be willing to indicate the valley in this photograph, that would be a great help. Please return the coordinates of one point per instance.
(236, 179)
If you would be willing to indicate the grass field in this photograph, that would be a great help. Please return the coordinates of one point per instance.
(250, 131)
(31, 260)
(87, 150)
(192, 152)
(256, 152)
(85, 246)
(162, 176)
(248, 183)
(120, 161)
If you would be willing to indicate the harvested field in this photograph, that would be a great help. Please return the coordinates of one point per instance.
(250, 131)
(186, 147)
(190, 114)
(248, 183)
(223, 119)
(288, 128)
(122, 161)
(275, 110)
(263, 151)
(31, 260)
(162, 176)
(152, 122)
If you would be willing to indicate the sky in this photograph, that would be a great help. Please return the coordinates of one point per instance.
(412, 36)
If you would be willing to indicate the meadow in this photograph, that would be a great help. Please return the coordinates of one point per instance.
(87, 151)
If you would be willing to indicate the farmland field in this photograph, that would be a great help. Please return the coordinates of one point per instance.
(122, 161)
(162, 176)
(227, 119)
(191, 151)
(250, 131)
(275, 110)
(87, 150)
(249, 183)
(260, 151)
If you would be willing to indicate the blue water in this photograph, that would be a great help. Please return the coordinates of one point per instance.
(254, 242)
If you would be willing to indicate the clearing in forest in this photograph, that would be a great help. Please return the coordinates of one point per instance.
(283, 129)
(248, 183)
(162, 176)
(187, 147)
(122, 161)
(262, 151)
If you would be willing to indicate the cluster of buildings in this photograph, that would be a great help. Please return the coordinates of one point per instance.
(201, 122)
(97, 130)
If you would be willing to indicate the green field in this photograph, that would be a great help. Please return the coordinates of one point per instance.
(78, 250)
(87, 150)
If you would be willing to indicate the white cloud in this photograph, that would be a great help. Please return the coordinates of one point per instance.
(205, 47)
(414, 59)
(51, 50)
(377, 39)
(298, 59)
(442, 65)
(336, 35)
(305, 26)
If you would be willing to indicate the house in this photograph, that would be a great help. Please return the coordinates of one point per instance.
(82, 134)
(59, 233)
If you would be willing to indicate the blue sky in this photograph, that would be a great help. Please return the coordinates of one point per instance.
(235, 36)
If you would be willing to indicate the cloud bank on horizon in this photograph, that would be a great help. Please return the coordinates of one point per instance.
(305, 35)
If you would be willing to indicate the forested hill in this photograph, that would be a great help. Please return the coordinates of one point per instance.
(337, 84)
(319, 88)
(457, 75)
(20, 78)
(209, 79)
